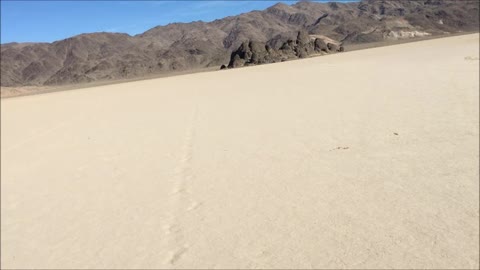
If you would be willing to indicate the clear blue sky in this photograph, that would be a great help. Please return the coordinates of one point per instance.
(47, 21)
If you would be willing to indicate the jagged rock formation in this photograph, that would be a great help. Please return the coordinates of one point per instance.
(183, 46)
(256, 53)
(251, 52)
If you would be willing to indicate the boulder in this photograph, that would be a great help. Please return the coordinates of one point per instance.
(236, 61)
(305, 46)
(333, 47)
(320, 45)
(303, 38)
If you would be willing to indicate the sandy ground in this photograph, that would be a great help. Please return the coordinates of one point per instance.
(366, 159)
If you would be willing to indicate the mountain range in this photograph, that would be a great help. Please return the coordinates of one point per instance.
(184, 46)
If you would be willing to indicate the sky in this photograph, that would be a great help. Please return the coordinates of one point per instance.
(48, 21)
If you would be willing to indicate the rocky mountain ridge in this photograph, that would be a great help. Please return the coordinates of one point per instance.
(184, 46)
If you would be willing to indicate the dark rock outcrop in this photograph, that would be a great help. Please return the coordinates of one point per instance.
(256, 53)
(253, 53)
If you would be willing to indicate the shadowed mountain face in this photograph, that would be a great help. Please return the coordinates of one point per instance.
(183, 46)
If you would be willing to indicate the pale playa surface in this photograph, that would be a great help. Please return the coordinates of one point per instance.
(291, 165)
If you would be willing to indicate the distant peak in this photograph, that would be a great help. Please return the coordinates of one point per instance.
(280, 6)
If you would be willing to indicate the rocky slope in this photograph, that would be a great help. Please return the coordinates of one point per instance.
(183, 46)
